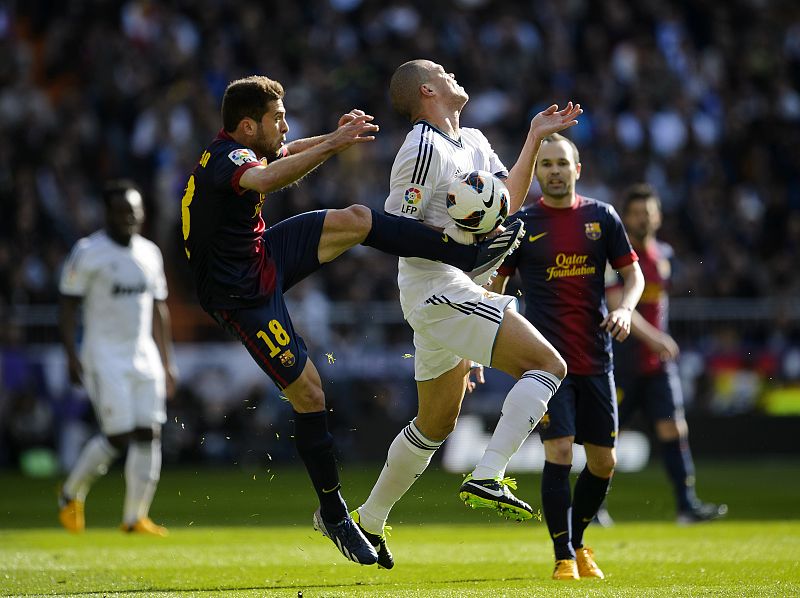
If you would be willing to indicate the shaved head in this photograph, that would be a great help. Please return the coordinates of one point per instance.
(405, 84)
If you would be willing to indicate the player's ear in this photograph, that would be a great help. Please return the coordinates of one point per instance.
(426, 90)
(577, 171)
(247, 126)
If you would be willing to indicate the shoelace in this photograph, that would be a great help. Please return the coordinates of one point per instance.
(510, 482)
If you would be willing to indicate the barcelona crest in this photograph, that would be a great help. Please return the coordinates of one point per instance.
(287, 359)
(592, 230)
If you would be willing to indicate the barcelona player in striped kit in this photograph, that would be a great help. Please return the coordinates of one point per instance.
(644, 366)
(562, 264)
(242, 268)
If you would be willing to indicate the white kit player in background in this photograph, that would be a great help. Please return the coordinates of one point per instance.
(125, 359)
(456, 321)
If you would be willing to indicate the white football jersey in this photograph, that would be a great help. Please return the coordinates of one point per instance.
(118, 285)
(423, 169)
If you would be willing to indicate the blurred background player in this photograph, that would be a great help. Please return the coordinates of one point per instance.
(242, 268)
(645, 370)
(455, 321)
(562, 264)
(125, 359)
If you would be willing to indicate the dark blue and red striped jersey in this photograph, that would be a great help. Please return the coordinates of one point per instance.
(633, 357)
(562, 263)
(223, 227)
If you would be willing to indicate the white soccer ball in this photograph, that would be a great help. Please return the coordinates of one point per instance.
(478, 202)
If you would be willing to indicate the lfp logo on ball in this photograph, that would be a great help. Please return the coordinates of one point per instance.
(412, 197)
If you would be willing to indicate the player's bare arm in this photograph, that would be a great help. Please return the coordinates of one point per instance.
(549, 121)
(618, 321)
(281, 173)
(657, 340)
(163, 339)
(300, 145)
(68, 327)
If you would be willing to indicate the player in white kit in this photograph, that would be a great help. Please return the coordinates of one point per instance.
(125, 357)
(457, 322)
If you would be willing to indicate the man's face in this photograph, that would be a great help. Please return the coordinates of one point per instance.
(125, 215)
(271, 131)
(642, 218)
(446, 86)
(556, 169)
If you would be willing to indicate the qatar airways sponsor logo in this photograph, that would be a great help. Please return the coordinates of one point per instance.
(570, 264)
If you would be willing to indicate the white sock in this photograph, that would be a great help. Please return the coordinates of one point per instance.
(93, 462)
(524, 406)
(142, 471)
(409, 455)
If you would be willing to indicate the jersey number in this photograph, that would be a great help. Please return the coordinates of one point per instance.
(281, 337)
(186, 201)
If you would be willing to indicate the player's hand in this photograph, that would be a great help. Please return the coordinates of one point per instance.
(346, 118)
(75, 371)
(552, 120)
(357, 129)
(618, 323)
(475, 370)
(664, 346)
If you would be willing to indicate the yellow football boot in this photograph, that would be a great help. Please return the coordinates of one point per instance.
(586, 566)
(566, 569)
(146, 527)
(70, 514)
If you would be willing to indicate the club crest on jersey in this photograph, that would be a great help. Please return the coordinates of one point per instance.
(242, 155)
(412, 197)
(287, 359)
(592, 230)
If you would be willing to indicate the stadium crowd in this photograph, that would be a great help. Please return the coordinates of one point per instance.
(701, 99)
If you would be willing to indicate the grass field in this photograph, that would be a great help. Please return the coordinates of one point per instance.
(245, 533)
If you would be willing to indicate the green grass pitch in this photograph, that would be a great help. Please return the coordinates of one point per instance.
(248, 533)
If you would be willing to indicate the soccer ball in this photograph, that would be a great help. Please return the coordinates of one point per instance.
(478, 202)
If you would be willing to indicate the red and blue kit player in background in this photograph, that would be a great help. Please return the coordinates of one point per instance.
(562, 262)
(644, 366)
(242, 268)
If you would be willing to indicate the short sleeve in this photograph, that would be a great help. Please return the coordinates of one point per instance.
(415, 176)
(230, 164)
(76, 273)
(620, 252)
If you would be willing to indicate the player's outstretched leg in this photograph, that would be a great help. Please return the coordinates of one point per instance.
(348, 539)
(408, 238)
(378, 541)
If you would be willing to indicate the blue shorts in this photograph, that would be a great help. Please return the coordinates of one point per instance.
(584, 407)
(659, 395)
(266, 330)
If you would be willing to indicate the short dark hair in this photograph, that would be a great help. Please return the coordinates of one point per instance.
(117, 188)
(404, 86)
(639, 192)
(248, 98)
(556, 137)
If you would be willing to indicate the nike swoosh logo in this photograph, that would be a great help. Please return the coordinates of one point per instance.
(334, 489)
(533, 238)
(558, 534)
(489, 203)
(445, 238)
(587, 520)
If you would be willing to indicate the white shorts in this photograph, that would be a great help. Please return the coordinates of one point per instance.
(460, 322)
(123, 399)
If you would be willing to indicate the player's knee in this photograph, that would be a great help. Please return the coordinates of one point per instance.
(359, 219)
(556, 365)
(437, 430)
(559, 450)
(602, 465)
